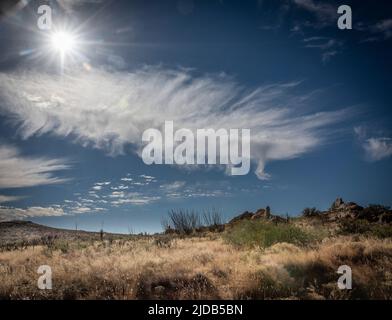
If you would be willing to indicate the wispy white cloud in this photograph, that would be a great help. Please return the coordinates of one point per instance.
(327, 55)
(109, 110)
(117, 194)
(325, 13)
(172, 186)
(320, 43)
(83, 205)
(377, 31)
(329, 47)
(135, 198)
(104, 183)
(71, 5)
(376, 148)
(147, 178)
(384, 27)
(10, 213)
(119, 187)
(17, 170)
(183, 190)
(4, 198)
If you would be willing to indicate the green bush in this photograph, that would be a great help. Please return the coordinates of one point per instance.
(265, 234)
(366, 228)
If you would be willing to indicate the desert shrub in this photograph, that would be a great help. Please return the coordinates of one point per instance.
(382, 231)
(265, 234)
(80, 245)
(376, 213)
(189, 221)
(378, 207)
(48, 240)
(364, 227)
(166, 225)
(212, 219)
(354, 226)
(314, 275)
(163, 242)
(310, 212)
(63, 246)
(263, 286)
(154, 286)
(184, 221)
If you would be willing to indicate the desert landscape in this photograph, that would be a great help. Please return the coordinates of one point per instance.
(253, 256)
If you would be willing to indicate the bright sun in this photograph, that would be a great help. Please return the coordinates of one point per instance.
(62, 41)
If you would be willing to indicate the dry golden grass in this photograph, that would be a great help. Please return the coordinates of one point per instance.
(199, 268)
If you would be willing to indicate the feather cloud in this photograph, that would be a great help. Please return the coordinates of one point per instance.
(110, 110)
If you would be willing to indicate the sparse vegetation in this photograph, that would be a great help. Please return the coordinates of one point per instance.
(265, 234)
(213, 219)
(366, 228)
(311, 212)
(256, 257)
(200, 268)
(189, 221)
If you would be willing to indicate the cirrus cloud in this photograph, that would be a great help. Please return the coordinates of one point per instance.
(4, 198)
(11, 213)
(376, 148)
(109, 110)
(21, 171)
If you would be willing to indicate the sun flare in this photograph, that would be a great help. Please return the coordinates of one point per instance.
(63, 41)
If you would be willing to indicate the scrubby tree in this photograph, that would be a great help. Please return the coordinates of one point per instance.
(212, 218)
(184, 221)
(310, 212)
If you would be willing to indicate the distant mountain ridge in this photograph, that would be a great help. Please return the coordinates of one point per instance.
(15, 231)
(27, 231)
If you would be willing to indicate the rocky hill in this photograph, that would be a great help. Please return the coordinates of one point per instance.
(338, 211)
(350, 210)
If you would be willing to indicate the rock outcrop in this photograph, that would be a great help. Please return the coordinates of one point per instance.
(243, 216)
(343, 210)
(260, 214)
(338, 211)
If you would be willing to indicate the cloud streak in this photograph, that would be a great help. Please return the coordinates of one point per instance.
(4, 198)
(376, 148)
(326, 13)
(21, 171)
(110, 110)
(11, 213)
(328, 46)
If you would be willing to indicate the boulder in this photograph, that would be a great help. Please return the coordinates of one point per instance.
(243, 216)
(353, 206)
(337, 204)
(264, 214)
(260, 214)
(278, 219)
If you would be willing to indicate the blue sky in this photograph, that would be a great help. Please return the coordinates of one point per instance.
(316, 98)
